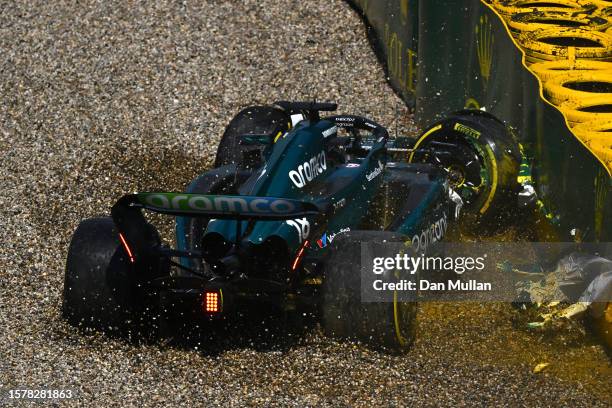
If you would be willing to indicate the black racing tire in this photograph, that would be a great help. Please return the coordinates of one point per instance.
(482, 157)
(381, 325)
(256, 120)
(99, 292)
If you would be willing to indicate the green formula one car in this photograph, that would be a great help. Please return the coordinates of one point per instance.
(279, 220)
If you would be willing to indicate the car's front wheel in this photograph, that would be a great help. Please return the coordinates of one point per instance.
(481, 157)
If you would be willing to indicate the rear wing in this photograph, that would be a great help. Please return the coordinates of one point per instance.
(219, 206)
(139, 241)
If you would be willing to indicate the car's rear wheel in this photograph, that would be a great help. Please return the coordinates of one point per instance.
(253, 120)
(387, 325)
(481, 156)
(99, 290)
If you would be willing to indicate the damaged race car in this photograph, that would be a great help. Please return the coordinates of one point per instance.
(280, 219)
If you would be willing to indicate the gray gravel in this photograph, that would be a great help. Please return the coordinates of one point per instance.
(102, 98)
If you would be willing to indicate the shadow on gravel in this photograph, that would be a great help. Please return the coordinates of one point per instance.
(90, 185)
(262, 331)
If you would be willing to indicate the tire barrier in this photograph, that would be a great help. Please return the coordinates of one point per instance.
(603, 127)
(604, 7)
(545, 20)
(593, 109)
(605, 11)
(548, 70)
(579, 86)
(568, 45)
(553, 44)
(512, 7)
(597, 135)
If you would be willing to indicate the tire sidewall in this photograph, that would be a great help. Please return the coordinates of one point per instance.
(344, 315)
(98, 290)
(251, 120)
(498, 149)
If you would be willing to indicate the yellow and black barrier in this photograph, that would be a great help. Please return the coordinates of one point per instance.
(542, 67)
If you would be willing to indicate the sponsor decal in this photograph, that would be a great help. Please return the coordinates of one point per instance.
(327, 239)
(339, 204)
(302, 226)
(434, 233)
(352, 165)
(331, 131)
(296, 118)
(404, 11)
(309, 170)
(376, 172)
(484, 47)
(322, 242)
(219, 204)
(466, 130)
(401, 60)
(345, 121)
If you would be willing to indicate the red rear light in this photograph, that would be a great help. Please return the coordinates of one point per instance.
(299, 255)
(212, 301)
(127, 247)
